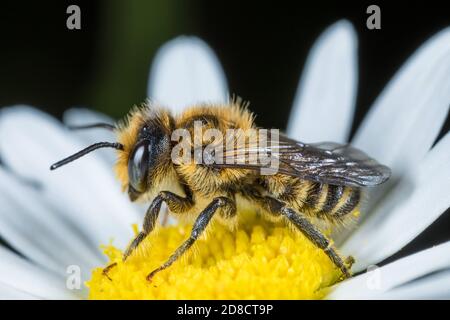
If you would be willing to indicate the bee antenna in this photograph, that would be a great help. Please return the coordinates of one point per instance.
(85, 151)
(102, 125)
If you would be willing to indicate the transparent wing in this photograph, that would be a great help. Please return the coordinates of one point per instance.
(326, 162)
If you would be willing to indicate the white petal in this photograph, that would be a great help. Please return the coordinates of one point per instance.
(19, 274)
(436, 286)
(40, 233)
(85, 191)
(406, 118)
(81, 116)
(325, 100)
(9, 293)
(186, 71)
(411, 207)
(381, 280)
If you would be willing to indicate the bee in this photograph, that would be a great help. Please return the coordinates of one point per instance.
(313, 182)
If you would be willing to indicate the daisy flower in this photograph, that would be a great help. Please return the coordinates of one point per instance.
(55, 222)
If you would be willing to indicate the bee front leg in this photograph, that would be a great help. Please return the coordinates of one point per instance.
(199, 226)
(311, 232)
(150, 219)
(175, 203)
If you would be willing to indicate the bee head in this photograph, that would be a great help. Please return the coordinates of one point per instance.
(143, 147)
(145, 159)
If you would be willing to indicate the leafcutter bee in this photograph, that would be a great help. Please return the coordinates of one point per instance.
(320, 181)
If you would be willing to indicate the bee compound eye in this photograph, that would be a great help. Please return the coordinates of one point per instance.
(138, 166)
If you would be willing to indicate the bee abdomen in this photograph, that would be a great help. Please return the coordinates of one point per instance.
(317, 195)
(332, 200)
(334, 195)
(348, 203)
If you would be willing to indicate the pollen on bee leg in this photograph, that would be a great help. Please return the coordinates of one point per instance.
(258, 260)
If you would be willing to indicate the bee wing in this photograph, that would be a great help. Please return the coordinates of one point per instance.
(326, 162)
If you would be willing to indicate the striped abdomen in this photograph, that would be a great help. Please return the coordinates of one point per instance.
(332, 201)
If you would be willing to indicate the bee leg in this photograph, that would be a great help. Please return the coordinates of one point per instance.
(149, 223)
(310, 231)
(175, 203)
(105, 271)
(199, 226)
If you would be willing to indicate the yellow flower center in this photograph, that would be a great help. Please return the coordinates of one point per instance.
(258, 260)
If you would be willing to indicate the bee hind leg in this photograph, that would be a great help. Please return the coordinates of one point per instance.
(311, 232)
(199, 226)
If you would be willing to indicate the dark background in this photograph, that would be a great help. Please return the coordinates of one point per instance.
(261, 45)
